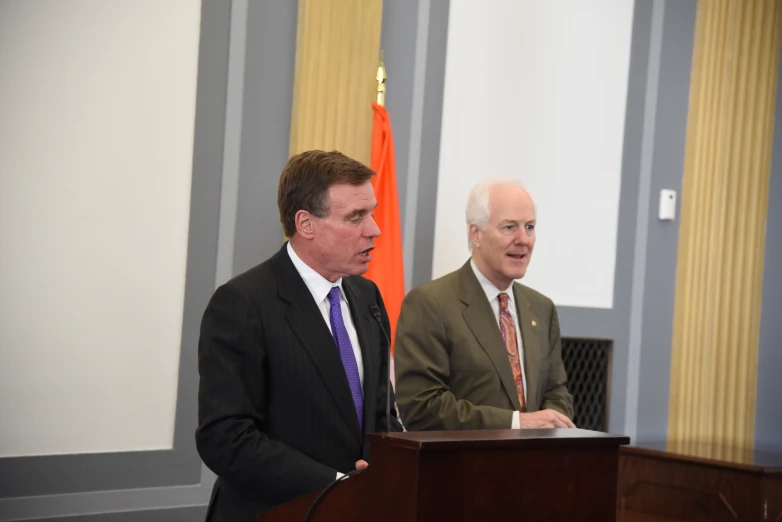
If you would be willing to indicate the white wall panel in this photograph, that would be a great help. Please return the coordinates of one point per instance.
(97, 109)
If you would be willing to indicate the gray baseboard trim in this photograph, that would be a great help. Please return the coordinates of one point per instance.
(175, 514)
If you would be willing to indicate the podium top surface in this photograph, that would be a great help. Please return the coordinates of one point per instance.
(540, 438)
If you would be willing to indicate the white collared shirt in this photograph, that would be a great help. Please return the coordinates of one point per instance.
(320, 287)
(493, 295)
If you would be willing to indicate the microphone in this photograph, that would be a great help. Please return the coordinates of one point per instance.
(375, 311)
(326, 490)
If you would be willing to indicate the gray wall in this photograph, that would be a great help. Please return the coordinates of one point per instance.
(653, 158)
(647, 381)
(669, 26)
(768, 413)
(641, 321)
(245, 79)
(167, 483)
(245, 84)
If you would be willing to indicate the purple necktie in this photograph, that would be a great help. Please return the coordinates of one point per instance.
(342, 338)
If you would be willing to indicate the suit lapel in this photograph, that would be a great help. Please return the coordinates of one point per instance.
(359, 312)
(529, 324)
(480, 318)
(306, 323)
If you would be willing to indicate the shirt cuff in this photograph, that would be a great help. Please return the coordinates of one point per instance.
(515, 425)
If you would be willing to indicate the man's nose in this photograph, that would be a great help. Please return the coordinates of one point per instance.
(523, 236)
(372, 229)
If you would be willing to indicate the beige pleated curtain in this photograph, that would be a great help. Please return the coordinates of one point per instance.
(723, 226)
(337, 50)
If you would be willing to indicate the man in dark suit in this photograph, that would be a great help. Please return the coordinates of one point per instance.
(293, 365)
(474, 349)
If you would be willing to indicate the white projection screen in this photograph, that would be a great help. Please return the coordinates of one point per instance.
(537, 91)
(97, 109)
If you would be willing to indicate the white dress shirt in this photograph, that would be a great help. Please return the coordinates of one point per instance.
(493, 295)
(320, 287)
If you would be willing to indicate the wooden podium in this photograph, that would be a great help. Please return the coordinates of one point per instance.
(497, 475)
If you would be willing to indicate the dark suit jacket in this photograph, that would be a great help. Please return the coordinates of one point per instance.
(452, 370)
(275, 412)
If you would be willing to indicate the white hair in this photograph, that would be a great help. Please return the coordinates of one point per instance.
(477, 211)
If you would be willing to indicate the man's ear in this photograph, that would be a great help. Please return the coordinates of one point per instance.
(475, 235)
(305, 224)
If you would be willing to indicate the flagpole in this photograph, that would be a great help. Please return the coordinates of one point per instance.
(381, 81)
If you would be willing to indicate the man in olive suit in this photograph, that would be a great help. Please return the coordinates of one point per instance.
(474, 349)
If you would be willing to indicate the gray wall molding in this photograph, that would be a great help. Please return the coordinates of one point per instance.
(229, 190)
(642, 221)
(432, 117)
(662, 237)
(180, 514)
(266, 116)
(409, 211)
(416, 77)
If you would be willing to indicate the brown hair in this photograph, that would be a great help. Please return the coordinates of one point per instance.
(305, 181)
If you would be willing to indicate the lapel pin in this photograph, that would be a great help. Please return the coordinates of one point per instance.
(534, 323)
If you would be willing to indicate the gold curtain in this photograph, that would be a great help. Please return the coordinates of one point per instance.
(723, 219)
(337, 50)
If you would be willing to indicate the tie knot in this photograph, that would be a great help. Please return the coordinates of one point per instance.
(334, 295)
(503, 301)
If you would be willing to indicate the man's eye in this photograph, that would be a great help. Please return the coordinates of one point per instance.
(530, 227)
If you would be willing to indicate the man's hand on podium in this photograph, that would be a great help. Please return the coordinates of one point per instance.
(544, 419)
(360, 464)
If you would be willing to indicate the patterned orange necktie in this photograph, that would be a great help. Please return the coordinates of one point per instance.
(508, 329)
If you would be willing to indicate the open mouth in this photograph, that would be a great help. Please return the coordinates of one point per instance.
(518, 257)
(365, 254)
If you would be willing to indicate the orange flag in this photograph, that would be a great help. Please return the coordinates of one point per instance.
(386, 268)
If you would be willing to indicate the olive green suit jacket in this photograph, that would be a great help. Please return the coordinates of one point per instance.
(451, 367)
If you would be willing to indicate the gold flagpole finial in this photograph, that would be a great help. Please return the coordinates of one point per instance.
(381, 81)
